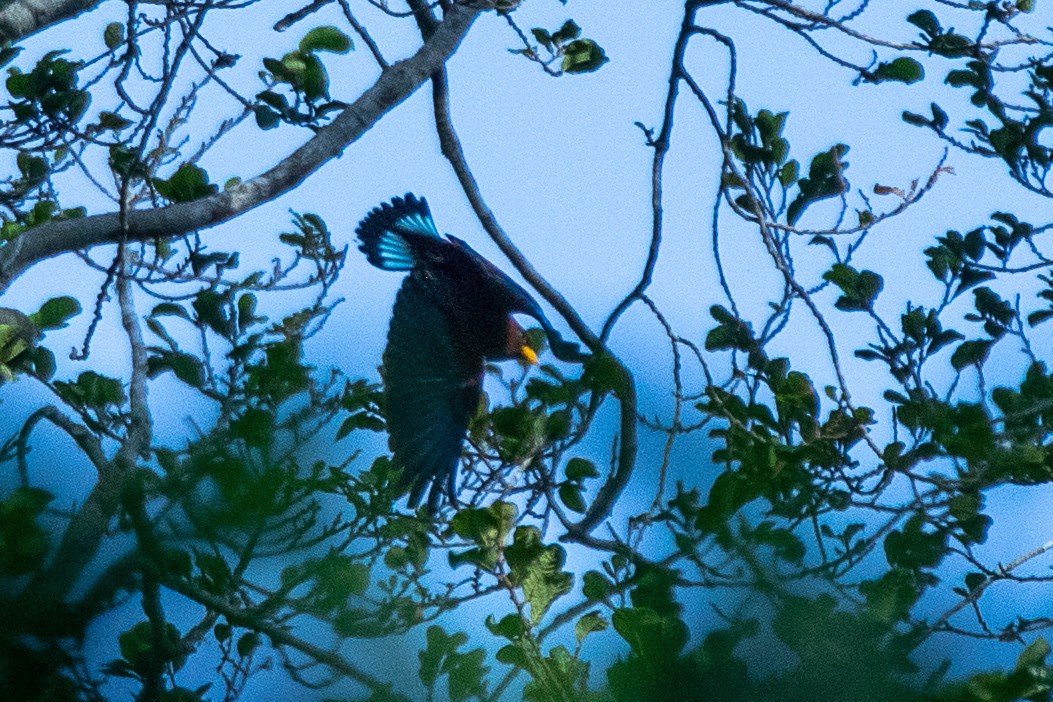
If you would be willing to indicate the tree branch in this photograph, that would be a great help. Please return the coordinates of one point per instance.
(22, 18)
(660, 144)
(394, 85)
(626, 390)
(281, 636)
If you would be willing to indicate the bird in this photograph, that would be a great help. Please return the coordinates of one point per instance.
(452, 314)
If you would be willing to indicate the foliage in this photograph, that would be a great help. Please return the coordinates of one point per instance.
(839, 532)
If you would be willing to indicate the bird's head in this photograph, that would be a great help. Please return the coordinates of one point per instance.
(518, 346)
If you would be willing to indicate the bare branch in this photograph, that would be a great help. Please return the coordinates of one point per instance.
(661, 147)
(1003, 573)
(280, 636)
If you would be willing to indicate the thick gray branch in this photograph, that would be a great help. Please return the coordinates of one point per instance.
(394, 85)
(21, 18)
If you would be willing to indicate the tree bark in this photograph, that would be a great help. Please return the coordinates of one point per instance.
(21, 18)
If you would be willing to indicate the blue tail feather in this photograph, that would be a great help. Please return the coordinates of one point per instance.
(386, 233)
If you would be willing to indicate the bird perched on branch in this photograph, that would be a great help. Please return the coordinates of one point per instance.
(452, 314)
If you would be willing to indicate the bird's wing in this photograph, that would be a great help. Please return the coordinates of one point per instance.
(431, 389)
(391, 234)
(517, 299)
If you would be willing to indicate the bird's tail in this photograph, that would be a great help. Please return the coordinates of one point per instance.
(387, 232)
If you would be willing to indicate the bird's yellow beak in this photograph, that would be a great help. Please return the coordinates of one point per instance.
(528, 355)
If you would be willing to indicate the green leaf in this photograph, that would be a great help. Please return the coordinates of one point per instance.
(487, 528)
(513, 654)
(314, 79)
(650, 635)
(113, 35)
(579, 469)
(186, 367)
(189, 182)
(962, 77)
(925, 21)
(485, 525)
(359, 420)
(466, 674)
(915, 119)
(568, 32)
(939, 116)
(595, 586)
(589, 623)
(290, 67)
(255, 427)
(537, 568)
(570, 496)
(23, 542)
(125, 161)
(583, 56)
(914, 548)
(92, 390)
(951, 45)
(603, 374)
(135, 643)
(113, 121)
(32, 168)
(942, 339)
(891, 597)
(396, 558)
(732, 332)
(789, 173)
(327, 38)
(55, 313)
(273, 99)
(971, 353)
(542, 36)
(860, 288)
(1034, 655)
(901, 70)
(825, 179)
(795, 398)
(511, 626)
(266, 118)
(653, 588)
(786, 545)
(170, 309)
(974, 580)
(211, 309)
(1039, 316)
(42, 361)
(137, 646)
(247, 643)
(334, 579)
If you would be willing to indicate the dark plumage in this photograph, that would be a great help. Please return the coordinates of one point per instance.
(453, 313)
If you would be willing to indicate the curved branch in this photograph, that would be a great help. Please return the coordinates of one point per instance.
(660, 144)
(394, 85)
(22, 18)
(87, 441)
(626, 386)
